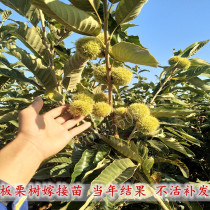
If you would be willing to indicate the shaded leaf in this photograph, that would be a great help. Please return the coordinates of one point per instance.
(197, 82)
(174, 144)
(183, 168)
(73, 18)
(73, 70)
(134, 54)
(24, 8)
(35, 65)
(185, 136)
(86, 5)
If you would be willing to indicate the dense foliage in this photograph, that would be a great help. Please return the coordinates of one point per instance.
(159, 132)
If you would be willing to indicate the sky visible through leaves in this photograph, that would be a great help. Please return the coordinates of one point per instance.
(162, 26)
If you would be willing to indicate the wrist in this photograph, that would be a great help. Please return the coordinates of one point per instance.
(27, 147)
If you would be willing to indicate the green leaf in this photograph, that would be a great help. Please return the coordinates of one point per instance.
(194, 71)
(148, 164)
(86, 5)
(9, 116)
(13, 99)
(73, 18)
(60, 160)
(174, 144)
(83, 164)
(171, 112)
(117, 172)
(123, 147)
(185, 136)
(158, 145)
(24, 8)
(5, 14)
(35, 65)
(15, 74)
(129, 52)
(183, 168)
(197, 82)
(193, 48)
(73, 70)
(128, 10)
(31, 38)
(172, 98)
(62, 170)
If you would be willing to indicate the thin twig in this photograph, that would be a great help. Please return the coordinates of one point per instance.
(48, 47)
(132, 133)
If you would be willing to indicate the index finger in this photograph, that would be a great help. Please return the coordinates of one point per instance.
(57, 111)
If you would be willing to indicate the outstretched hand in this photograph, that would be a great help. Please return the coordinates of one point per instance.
(50, 132)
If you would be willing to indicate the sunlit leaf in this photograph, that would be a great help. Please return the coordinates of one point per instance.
(129, 52)
(128, 10)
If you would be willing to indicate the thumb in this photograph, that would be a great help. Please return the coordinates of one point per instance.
(37, 104)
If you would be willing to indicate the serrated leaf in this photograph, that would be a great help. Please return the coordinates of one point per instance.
(35, 65)
(73, 18)
(83, 164)
(174, 144)
(129, 52)
(185, 136)
(123, 147)
(31, 38)
(117, 172)
(24, 8)
(128, 10)
(86, 5)
(193, 48)
(183, 168)
(73, 70)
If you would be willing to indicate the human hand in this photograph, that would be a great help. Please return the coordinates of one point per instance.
(48, 133)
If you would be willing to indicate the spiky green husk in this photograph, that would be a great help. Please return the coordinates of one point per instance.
(121, 76)
(88, 47)
(101, 109)
(78, 108)
(100, 74)
(87, 97)
(122, 118)
(147, 125)
(101, 37)
(54, 95)
(182, 63)
(101, 97)
(138, 110)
